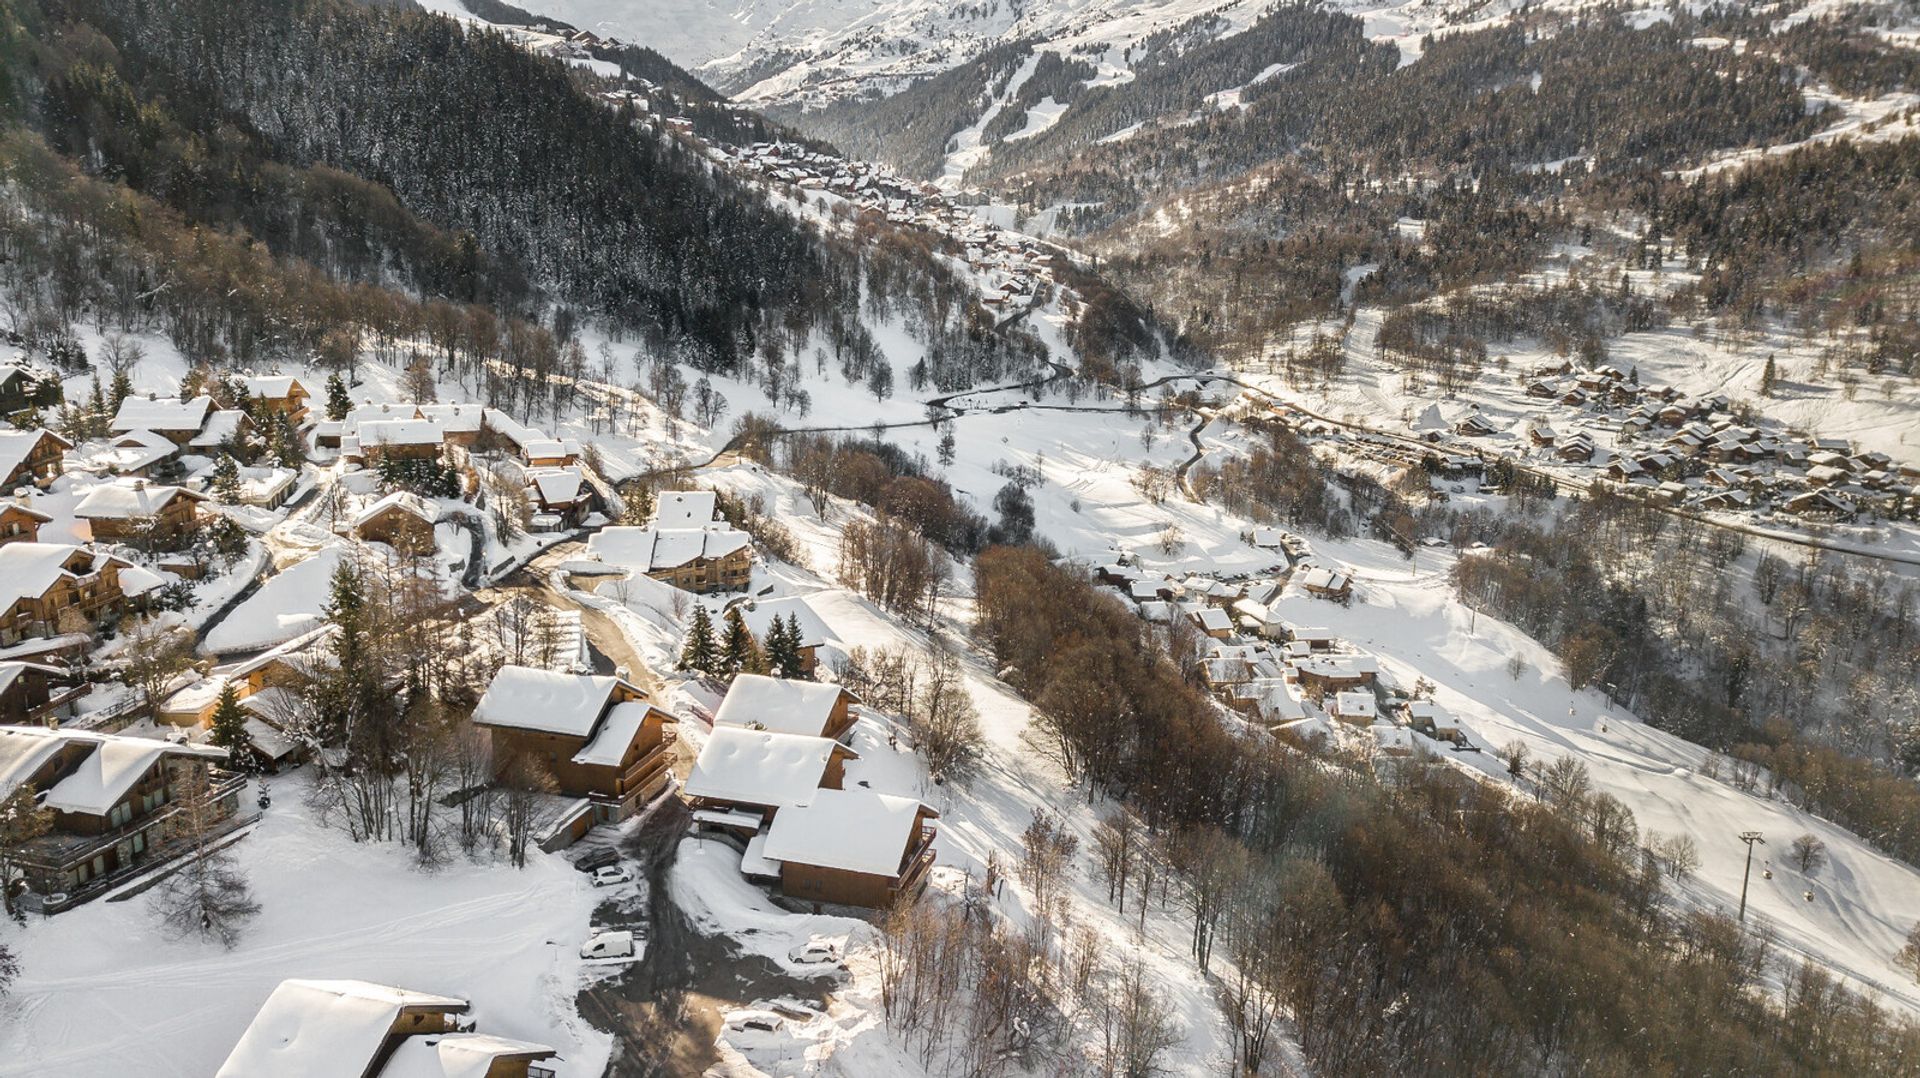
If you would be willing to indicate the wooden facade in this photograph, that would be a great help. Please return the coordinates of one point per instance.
(703, 575)
(41, 463)
(817, 883)
(400, 528)
(87, 587)
(19, 524)
(166, 527)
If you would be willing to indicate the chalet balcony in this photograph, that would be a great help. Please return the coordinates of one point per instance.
(646, 772)
(60, 851)
(914, 867)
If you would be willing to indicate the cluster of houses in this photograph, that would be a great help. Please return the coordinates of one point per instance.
(1299, 681)
(1693, 451)
(1016, 267)
(687, 544)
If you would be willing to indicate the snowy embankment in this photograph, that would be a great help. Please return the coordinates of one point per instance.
(104, 991)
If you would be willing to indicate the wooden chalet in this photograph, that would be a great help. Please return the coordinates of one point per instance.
(852, 848)
(1323, 583)
(176, 420)
(279, 395)
(114, 799)
(596, 736)
(759, 616)
(31, 691)
(137, 511)
(757, 702)
(30, 458)
(744, 777)
(43, 583)
(403, 520)
(358, 1029)
(20, 523)
(700, 560)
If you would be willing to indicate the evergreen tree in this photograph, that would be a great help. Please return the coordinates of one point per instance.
(226, 479)
(229, 728)
(119, 389)
(946, 447)
(783, 646)
(739, 654)
(97, 415)
(700, 654)
(1767, 378)
(338, 403)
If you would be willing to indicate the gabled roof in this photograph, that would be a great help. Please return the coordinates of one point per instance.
(399, 432)
(457, 1055)
(684, 508)
(557, 486)
(850, 830)
(623, 723)
(759, 767)
(545, 701)
(402, 500)
(162, 414)
(271, 385)
(11, 671)
(17, 445)
(223, 425)
(29, 569)
(22, 508)
(129, 500)
(648, 549)
(781, 705)
(114, 763)
(314, 1028)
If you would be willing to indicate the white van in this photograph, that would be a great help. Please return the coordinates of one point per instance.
(608, 945)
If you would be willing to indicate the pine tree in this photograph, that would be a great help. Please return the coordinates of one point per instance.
(738, 652)
(783, 646)
(1767, 377)
(700, 653)
(229, 728)
(226, 479)
(119, 390)
(97, 417)
(338, 403)
(946, 448)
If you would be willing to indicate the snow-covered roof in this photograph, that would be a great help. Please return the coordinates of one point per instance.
(623, 723)
(684, 508)
(647, 549)
(457, 1055)
(528, 698)
(557, 486)
(29, 569)
(1213, 619)
(23, 751)
(11, 671)
(851, 830)
(760, 767)
(1355, 705)
(270, 385)
(116, 763)
(399, 432)
(782, 705)
(454, 418)
(1320, 577)
(760, 613)
(129, 451)
(404, 500)
(222, 426)
(545, 448)
(162, 414)
(132, 500)
(307, 1029)
(267, 739)
(17, 445)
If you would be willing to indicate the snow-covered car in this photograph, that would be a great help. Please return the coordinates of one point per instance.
(611, 875)
(608, 945)
(815, 952)
(756, 1020)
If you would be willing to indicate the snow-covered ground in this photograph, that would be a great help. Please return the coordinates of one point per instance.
(103, 991)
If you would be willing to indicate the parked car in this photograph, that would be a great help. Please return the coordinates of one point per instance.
(755, 1020)
(600, 857)
(815, 952)
(611, 875)
(608, 945)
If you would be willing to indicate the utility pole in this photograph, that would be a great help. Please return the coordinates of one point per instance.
(1748, 837)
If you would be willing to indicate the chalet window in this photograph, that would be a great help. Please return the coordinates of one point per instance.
(140, 842)
(119, 814)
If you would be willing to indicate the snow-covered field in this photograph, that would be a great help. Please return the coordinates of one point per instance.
(103, 991)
